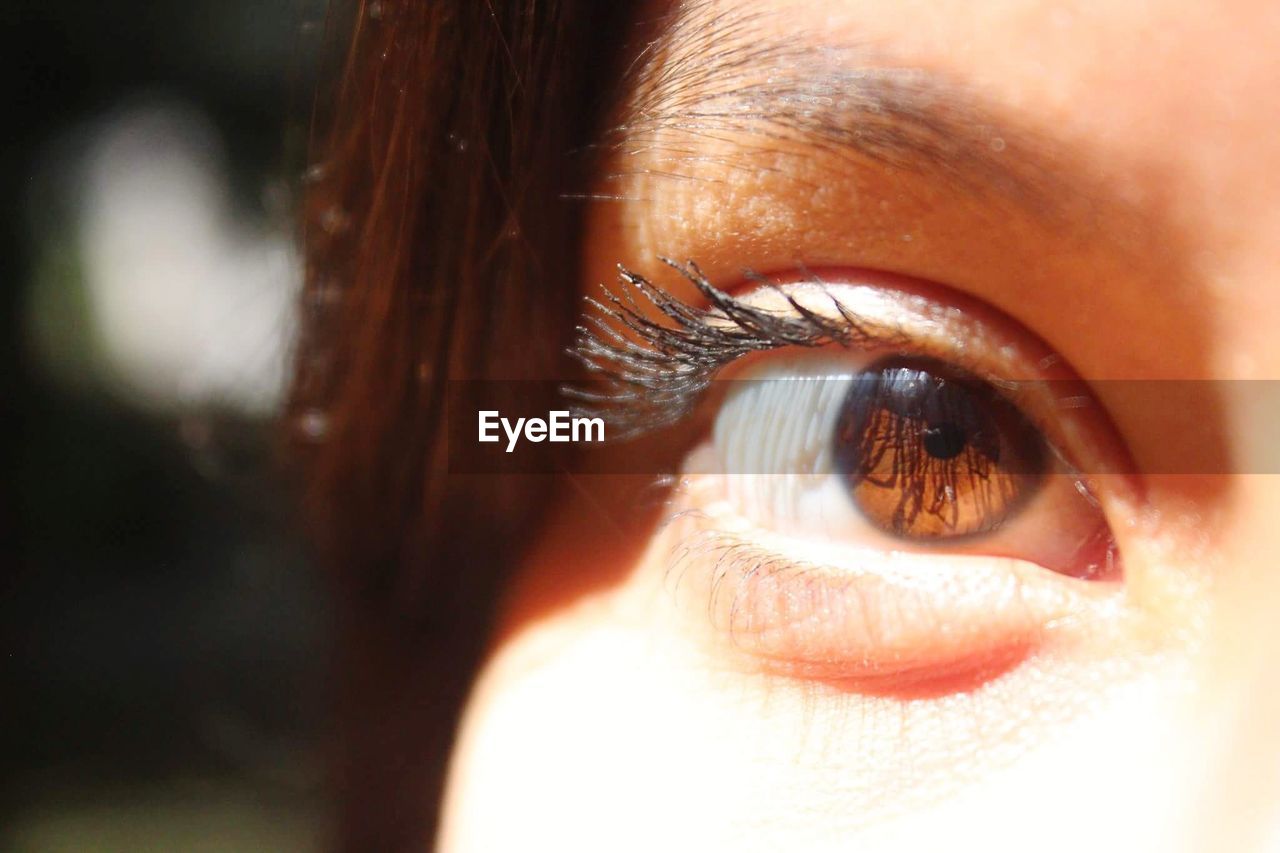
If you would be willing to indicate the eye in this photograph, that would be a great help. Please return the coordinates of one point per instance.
(892, 489)
(831, 448)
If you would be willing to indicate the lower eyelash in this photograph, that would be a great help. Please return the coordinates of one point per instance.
(654, 377)
(727, 565)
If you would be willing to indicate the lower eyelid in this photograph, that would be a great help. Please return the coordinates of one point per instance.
(879, 620)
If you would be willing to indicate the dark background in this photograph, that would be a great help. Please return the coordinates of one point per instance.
(163, 636)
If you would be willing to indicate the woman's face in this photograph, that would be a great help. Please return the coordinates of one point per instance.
(1011, 190)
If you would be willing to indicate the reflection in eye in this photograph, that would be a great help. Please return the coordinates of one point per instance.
(929, 452)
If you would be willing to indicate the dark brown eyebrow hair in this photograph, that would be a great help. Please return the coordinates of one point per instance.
(715, 76)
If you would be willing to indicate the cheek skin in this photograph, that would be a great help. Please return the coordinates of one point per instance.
(612, 712)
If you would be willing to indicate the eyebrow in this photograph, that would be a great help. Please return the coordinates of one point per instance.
(721, 77)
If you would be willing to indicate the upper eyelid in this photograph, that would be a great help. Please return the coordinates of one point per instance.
(654, 372)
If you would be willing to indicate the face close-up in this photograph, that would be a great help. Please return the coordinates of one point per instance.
(1043, 619)
(642, 426)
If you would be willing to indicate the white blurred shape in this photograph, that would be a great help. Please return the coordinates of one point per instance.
(192, 305)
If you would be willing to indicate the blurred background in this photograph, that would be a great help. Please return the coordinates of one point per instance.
(163, 635)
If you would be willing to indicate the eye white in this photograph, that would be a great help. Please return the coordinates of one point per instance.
(772, 440)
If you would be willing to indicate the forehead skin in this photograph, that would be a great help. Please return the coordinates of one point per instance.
(1154, 257)
(1159, 112)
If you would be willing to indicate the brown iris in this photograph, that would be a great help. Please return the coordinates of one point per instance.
(929, 452)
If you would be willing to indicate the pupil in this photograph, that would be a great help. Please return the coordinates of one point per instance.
(943, 441)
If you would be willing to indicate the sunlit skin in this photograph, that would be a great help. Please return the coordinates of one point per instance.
(611, 714)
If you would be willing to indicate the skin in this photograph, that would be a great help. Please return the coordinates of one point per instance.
(611, 714)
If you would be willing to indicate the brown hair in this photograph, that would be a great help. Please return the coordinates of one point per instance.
(440, 243)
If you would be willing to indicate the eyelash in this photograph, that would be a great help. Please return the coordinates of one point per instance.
(655, 380)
